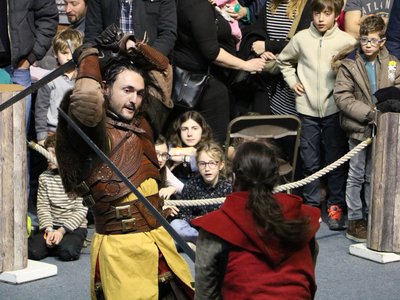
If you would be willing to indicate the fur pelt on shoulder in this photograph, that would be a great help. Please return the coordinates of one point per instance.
(344, 53)
(159, 103)
(73, 166)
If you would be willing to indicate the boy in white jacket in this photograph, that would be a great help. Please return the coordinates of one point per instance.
(306, 66)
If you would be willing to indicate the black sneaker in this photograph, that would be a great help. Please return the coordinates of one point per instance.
(335, 218)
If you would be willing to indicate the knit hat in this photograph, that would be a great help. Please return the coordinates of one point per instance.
(388, 99)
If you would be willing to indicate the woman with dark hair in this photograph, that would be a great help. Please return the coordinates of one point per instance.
(188, 132)
(258, 243)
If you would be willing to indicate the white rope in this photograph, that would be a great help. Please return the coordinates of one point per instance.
(281, 188)
(50, 157)
(325, 170)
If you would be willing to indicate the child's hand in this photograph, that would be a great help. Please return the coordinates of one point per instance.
(53, 238)
(57, 237)
(299, 89)
(172, 210)
(178, 154)
(267, 55)
(255, 65)
(167, 192)
(258, 47)
(49, 238)
(182, 151)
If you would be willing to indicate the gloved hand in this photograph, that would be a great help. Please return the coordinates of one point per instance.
(87, 102)
(143, 55)
(372, 116)
(110, 38)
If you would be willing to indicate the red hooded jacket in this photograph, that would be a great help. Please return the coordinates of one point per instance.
(255, 270)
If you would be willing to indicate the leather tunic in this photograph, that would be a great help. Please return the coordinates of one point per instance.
(132, 151)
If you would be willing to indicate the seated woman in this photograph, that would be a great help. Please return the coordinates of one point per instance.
(62, 219)
(188, 131)
(258, 243)
(210, 183)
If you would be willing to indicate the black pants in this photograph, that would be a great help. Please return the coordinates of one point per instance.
(69, 248)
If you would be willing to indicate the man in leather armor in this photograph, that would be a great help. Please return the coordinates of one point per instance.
(132, 256)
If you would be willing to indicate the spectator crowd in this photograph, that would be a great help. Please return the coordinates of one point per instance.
(329, 58)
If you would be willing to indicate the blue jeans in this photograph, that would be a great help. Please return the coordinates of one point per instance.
(359, 175)
(22, 77)
(183, 228)
(322, 138)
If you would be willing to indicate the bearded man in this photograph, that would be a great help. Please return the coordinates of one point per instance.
(132, 256)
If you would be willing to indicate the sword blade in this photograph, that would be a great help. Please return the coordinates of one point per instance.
(37, 85)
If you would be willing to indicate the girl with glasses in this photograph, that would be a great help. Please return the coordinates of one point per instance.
(209, 183)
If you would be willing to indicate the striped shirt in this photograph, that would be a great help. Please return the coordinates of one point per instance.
(55, 208)
(281, 97)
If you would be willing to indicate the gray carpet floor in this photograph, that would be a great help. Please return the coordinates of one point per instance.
(339, 274)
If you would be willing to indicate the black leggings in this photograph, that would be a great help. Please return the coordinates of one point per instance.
(69, 248)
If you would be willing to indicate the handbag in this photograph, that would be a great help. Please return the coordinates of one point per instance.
(188, 87)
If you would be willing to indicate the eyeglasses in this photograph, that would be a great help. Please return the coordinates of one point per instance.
(364, 40)
(211, 164)
(163, 156)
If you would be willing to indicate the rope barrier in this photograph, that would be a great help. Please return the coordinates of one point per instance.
(211, 201)
(50, 157)
(284, 187)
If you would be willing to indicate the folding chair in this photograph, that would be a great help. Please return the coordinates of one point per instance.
(268, 127)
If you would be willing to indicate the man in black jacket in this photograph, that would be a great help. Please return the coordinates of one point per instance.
(26, 30)
(25, 36)
(154, 20)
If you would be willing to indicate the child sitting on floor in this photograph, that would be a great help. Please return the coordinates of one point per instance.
(62, 219)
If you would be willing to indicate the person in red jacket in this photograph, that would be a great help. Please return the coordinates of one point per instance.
(259, 245)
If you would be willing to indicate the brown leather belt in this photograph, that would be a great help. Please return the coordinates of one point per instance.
(125, 218)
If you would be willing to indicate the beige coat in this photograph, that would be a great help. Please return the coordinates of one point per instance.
(312, 53)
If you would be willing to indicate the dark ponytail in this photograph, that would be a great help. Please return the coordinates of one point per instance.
(256, 171)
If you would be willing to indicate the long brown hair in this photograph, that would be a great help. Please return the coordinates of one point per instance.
(256, 171)
(175, 135)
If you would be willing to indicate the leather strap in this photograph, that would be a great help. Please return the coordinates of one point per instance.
(155, 212)
(127, 217)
